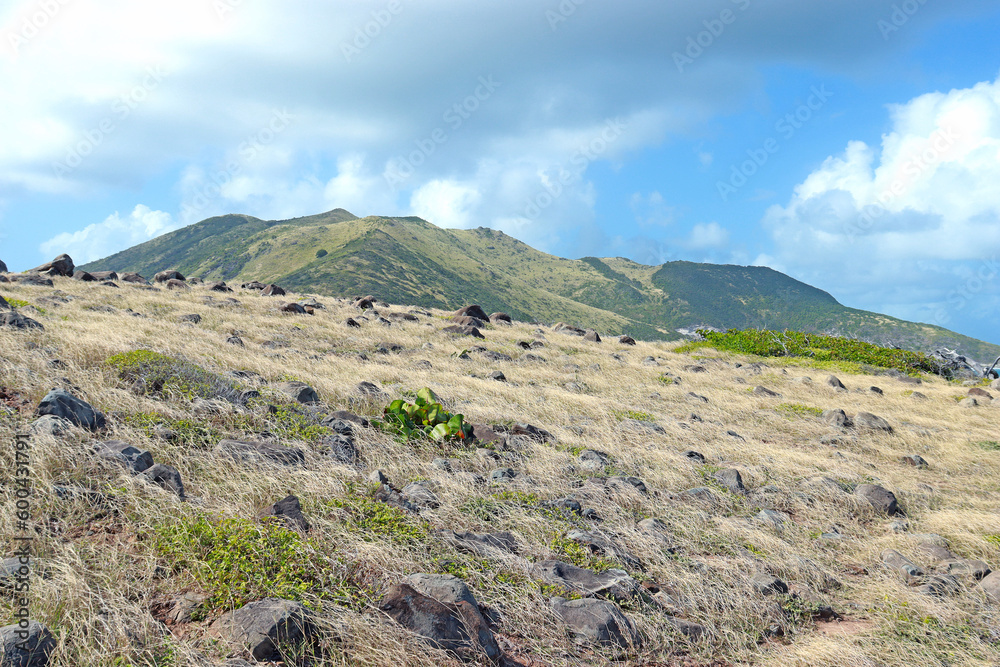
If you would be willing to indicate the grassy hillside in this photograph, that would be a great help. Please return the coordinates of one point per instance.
(409, 260)
(786, 564)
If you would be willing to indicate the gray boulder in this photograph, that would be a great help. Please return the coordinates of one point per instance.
(880, 498)
(257, 452)
(12, 319)
(166, 477)
(261, 627)
(597, 621)
(60, 266)
(61, 403)
(484, 545)
(613, 583)
(133, 458)
(288, 510)
(870, 421)
(300, 391)
(26, 647)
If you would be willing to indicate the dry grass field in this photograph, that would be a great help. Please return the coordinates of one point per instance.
(110, 566)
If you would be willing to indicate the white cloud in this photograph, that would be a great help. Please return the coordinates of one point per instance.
(900, 228)
(113, 234)
(446, 203)
(651, 210)
(707, 236)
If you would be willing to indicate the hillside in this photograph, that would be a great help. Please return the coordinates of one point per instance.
(408, 260)
(236, 500)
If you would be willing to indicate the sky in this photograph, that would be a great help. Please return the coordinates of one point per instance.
(851, 144)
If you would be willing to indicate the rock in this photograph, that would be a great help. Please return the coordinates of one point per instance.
(503, 474)
(837, 417)
(288, 510)
(731, 479)
(870, 421)
(218, 286)
(835, 382)
(133, 458)
(293, 308)
(15, 320)
(378, 477)
(421, 496)
(532, 432)
(498, 376)
(31, 279)
(166, 477)
(773, 518)
(3, 267)
(263, 627)
(134, 278)
(697, 397)
(60, 266)
(461, 330)
(488, 545)
(352, 323)
(699, 494)
(272, 290)
(568, 329)
(882, 499)
(613, 584)
(343, 416)
(235, 340)
(697, 457)
(467, 321)
(485, 435)
(766, 584)
(693, 631)
(340, 447)
(173, 283)
(61, 403)
(300, 391)
(26, 647)
(969, 402)
(592, 459)
(764, 391)
(940, 585)
(914, 460)
(592, 336)
(596, 621)
(164, 276)
(194, 318)
(902, 565)
(962, 567)
(876, 390)
(186, 606)
(471, 311)
(50, 425)
(257, 452)
(369, 389)
(626, 340)
(84, 276)
(990, 585)
(980, 393)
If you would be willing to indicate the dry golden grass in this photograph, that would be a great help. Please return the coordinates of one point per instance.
(106, 582)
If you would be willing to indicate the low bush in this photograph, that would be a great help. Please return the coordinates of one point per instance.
(152, 373)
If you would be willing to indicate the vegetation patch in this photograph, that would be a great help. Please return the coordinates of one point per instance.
(622, 415)
(765, 343)
(989, 445)
(797, 410)
(376, 521)
(238, 561)
(580, 555)
(152, 373)
(190, 432)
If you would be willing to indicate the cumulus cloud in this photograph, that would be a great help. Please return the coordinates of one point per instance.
(707, 236)
(911, 227)
(114, 233)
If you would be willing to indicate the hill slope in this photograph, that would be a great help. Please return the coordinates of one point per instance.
(408, 260)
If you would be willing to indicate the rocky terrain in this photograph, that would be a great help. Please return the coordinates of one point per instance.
(210, 474)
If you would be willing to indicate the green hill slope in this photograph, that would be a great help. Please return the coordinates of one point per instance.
(408, 260)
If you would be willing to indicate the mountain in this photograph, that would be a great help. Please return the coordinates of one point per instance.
(409, 260)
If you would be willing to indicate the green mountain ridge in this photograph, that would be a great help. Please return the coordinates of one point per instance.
(409, 260)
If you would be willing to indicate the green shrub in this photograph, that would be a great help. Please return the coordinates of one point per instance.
(321, 253)
(764, 343)
(622, 415)
(990, 445)
(238, 561)
(376, 521)
(152, 373)
(792, 410)
(425, 417)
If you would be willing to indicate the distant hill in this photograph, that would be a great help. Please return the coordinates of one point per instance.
(409, 260)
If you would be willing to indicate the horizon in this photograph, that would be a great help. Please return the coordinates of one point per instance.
(850, 147)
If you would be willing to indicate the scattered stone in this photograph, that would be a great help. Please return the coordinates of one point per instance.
(882, 499)
(592, 459)
(471, 311)
(294, 309)
(699, 494)
(592, 336)
(976, 569)
(123, 453)
(773, 518)
(166, 477)
(84, 276)
(15, 320)
(902, 565)
(731, 479)
(915, 460)
(61, 403)
(174, 283)
(60, 266)
(488, 545)
(272, 290)
(968, 402)
(500, 318)
(193, 318)
(461, 330)
(697, 397)
(597, 621)
(164, 276)
(50, 425)
(26, 647)
(258, 452)
(134, 278)
(766, 584)
(837, 417)
(876, 390)
(697, 457)
(835, 382)
(421, 496)
(940, 585)
(990, 585)
(980, 393)
(626, 340)
(186, 606)
(613, 584)
(262, 628)
(300, 391)
(764, 391)
(288, 510)
(873, 422)
(498, 376)
(235, 340)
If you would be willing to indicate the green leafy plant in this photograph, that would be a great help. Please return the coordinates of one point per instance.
(425, 417)
(376, 521)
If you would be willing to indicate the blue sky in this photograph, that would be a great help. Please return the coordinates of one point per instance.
(853, 145)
